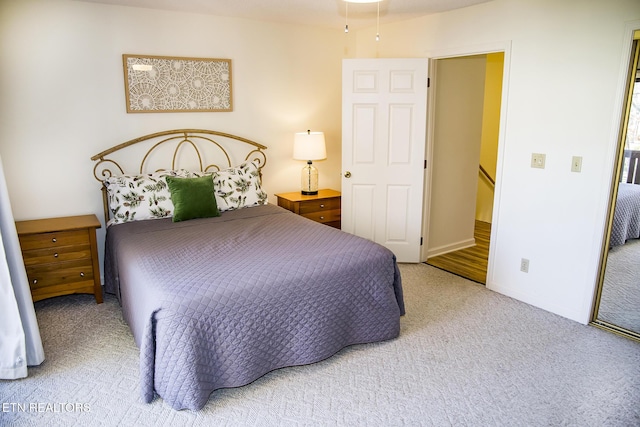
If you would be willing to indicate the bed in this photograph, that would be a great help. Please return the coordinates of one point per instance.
(217, 301)
(626, 218)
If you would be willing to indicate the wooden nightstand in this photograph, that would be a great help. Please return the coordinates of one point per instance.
(323, 207)
(61, 256)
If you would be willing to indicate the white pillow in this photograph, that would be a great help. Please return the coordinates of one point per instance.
(237, 187)
(140, 197)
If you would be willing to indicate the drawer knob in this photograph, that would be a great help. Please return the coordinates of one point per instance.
(81, 274)
(54, 240)
(321, 206)
(321, 217)
(55, 255)
(35, 281)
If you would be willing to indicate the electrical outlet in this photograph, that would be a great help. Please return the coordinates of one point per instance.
(524, 265)
(537, 160)
(576, 164)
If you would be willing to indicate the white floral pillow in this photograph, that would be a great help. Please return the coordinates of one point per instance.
(140, 197)
(237, 187)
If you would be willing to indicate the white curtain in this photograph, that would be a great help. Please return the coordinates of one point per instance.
(20, 343)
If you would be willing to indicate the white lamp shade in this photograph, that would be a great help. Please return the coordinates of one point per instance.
(309, 146)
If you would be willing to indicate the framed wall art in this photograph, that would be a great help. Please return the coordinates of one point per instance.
(165, 84)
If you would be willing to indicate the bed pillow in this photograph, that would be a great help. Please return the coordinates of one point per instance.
(239, 187)
(192, 198)
(140, 197)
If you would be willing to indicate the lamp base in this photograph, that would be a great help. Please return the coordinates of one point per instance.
(309, 193)
(309, 179)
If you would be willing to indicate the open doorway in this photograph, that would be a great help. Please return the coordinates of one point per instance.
(466, 124)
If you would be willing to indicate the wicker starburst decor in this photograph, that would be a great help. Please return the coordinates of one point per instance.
(156, 84)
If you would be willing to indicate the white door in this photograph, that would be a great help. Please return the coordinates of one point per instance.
(384, 120)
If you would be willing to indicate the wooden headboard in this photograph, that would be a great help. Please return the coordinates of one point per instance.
(192, 149)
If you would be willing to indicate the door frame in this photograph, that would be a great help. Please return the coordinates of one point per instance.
(433, 56)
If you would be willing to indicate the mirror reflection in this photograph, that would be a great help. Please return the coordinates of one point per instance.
(619, 302)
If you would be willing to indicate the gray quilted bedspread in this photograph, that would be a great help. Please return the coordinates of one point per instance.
(626, 218)
(219, 302)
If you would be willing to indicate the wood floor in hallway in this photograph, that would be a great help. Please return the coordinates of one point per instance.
(470, 263)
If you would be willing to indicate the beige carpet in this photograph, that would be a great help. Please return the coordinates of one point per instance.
(620, 301)
(466, 357)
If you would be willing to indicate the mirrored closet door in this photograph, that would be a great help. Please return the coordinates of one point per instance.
(618, 300)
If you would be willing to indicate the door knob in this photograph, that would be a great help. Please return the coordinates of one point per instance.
(347, 174)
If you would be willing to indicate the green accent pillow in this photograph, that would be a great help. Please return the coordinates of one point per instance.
(192, 198)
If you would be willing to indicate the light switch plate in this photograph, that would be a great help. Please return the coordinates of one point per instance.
(576, 164)
(537, 160)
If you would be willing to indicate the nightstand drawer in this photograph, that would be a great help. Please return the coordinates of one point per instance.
(60, 273)
(324, 216)
(61, 254)
(54, 239)
(309, 206)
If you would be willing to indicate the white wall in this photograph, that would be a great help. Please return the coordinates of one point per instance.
(62, 94)
(459, 98)
(563, 86)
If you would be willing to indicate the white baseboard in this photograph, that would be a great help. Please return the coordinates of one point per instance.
(441, 250)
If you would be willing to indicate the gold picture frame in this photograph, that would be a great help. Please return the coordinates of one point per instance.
(168, 84)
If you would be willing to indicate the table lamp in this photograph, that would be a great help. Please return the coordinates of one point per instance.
(309, 146)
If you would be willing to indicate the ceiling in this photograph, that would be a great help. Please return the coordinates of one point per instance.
(325, 13)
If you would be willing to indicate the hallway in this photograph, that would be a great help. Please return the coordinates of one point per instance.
(470, 263)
